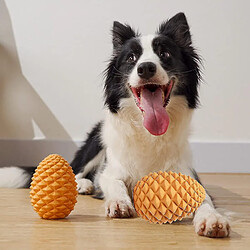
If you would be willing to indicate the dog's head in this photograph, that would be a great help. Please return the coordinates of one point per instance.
(150, 69)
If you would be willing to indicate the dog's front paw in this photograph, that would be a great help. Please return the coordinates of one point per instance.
(120, 209)
(84, 186)
(212, 225)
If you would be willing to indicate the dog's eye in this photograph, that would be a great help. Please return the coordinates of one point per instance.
(164, 55)
(131, 58)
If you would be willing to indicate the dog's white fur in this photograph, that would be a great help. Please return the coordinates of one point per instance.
(84, 186)
(13, 177)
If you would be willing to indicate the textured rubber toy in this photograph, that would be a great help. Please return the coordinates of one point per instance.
(53, 188)
(166, 197)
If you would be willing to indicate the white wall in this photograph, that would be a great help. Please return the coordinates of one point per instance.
(52, 53)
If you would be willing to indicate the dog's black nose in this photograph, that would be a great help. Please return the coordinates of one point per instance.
(146, 70)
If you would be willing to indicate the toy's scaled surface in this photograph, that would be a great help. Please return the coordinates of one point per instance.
(53, 188)
(166, 197)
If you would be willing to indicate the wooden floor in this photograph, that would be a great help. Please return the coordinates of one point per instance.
(88, 228)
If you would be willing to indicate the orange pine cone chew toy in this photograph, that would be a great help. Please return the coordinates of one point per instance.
(166, 197)
(53, 188)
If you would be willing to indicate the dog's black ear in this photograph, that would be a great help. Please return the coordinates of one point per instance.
(121, 33)
(177, 28)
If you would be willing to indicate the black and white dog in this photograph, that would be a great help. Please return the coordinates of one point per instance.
(150, 94)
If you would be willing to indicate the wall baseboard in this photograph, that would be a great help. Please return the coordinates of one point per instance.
(207, 157)
(224, 157)
(31, 152)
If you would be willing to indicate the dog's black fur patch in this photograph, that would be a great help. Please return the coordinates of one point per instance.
(176, 35)
(91, 147)
(30, 171)
(196, 177)
(125, 43)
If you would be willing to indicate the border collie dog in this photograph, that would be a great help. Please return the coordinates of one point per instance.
(150, 94)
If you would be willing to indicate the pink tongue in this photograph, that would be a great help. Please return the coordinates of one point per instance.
(156, 119)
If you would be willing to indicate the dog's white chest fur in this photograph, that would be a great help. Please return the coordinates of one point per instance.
(132, 149)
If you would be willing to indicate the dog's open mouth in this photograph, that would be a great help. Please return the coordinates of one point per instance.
(152, 100)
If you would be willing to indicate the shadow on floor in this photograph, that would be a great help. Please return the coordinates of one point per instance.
(225, 199)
